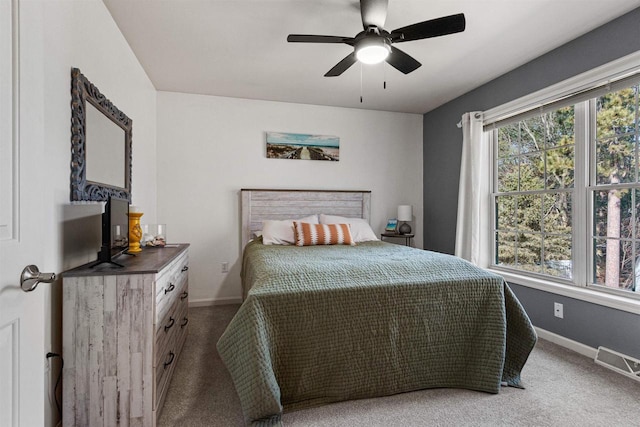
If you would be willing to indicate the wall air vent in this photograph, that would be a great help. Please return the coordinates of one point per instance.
(618, 362)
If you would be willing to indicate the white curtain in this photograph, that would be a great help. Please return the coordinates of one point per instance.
(474, 209)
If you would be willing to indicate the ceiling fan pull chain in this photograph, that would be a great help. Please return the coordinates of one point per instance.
(360, 83)
(384, 75)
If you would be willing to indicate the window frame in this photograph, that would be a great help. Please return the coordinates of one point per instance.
(580, 285)
(583, 220)
(493, 137)
(593, 186)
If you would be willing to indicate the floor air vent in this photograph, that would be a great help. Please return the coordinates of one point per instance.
(618, 362)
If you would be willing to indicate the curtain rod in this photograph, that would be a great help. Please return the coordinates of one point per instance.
(610, 73)
(582, 83)
(477, 116)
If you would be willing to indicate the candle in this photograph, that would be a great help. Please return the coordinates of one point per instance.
(134, 209)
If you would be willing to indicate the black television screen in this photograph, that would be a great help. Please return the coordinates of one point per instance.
(118, 210)
(115, 230)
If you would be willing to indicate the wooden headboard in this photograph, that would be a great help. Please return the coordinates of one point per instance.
(259, 205)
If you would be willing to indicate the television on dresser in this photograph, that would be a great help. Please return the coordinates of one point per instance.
(115, 230)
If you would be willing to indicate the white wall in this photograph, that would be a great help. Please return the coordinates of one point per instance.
(82, 34)
(54, 37)
(211, 147)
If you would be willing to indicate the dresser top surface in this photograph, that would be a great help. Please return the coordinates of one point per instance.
(150, 260)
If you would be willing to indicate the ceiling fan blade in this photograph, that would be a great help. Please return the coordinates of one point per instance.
(342, 66)
(310, 38)
(401, 61)
(374, 12)
(432, 28)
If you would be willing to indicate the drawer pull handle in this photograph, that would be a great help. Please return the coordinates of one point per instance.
(184, 322)
(185, 268)
(170, 288)
(172, 356)
(184, 295)
(172, 321)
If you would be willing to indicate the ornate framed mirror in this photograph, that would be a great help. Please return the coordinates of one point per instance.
(101, 153)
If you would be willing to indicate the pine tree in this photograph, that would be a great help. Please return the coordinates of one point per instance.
(615, 148)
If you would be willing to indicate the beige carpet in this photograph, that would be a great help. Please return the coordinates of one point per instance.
(563, 388)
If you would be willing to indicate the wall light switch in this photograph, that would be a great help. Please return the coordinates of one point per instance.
(225, 267)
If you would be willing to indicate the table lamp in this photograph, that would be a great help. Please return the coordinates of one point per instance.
(405, 213)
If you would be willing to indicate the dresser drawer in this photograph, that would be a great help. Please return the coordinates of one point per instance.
(183, 321)
(164, 373)
(165, 335)
(169, 345)
(179, 296)
(169, 284)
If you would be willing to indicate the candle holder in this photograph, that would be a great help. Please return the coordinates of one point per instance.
(135, 232)
(147, 237)
(154, 235)
(160, 236)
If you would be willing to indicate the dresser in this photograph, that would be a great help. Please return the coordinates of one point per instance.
(122, 332)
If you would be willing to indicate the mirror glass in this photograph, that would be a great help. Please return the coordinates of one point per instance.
(105, 148)
(100, 144)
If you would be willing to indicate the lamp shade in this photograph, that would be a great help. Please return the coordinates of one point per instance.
(405, 213)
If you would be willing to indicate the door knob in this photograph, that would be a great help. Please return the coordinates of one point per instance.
(31, 276)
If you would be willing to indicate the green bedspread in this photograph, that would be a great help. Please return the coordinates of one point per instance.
(328, 323)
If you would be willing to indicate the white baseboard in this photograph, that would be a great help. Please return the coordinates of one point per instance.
(207, 302)
(583, 349)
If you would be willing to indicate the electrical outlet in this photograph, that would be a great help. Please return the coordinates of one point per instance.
(558, 310)
(225, 267)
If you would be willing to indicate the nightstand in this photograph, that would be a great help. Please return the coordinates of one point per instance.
(407, 237)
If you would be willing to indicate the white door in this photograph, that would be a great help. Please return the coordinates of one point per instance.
(22, 353)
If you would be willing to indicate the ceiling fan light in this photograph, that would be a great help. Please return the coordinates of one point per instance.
(372, 50)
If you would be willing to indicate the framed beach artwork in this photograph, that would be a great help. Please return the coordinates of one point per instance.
(282, 145)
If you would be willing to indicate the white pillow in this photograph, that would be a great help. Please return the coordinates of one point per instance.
(360, 229)
(281, 232)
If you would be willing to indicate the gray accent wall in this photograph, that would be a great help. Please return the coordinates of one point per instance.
(443, 148)
(587, 323)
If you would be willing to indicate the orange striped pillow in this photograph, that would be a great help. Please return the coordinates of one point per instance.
(322, 234)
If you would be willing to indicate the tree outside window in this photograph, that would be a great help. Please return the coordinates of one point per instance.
(535, 174)
(616, 216)
(535, 180)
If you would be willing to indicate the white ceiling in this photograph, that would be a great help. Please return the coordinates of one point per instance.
(238, 48)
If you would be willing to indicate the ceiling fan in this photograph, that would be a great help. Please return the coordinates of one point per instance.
(374, 44)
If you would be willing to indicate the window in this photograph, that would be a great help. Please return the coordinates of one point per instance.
(616, 190)
(534, 179)
(568, 177)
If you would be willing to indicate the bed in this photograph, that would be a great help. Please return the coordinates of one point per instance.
(322, 324)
